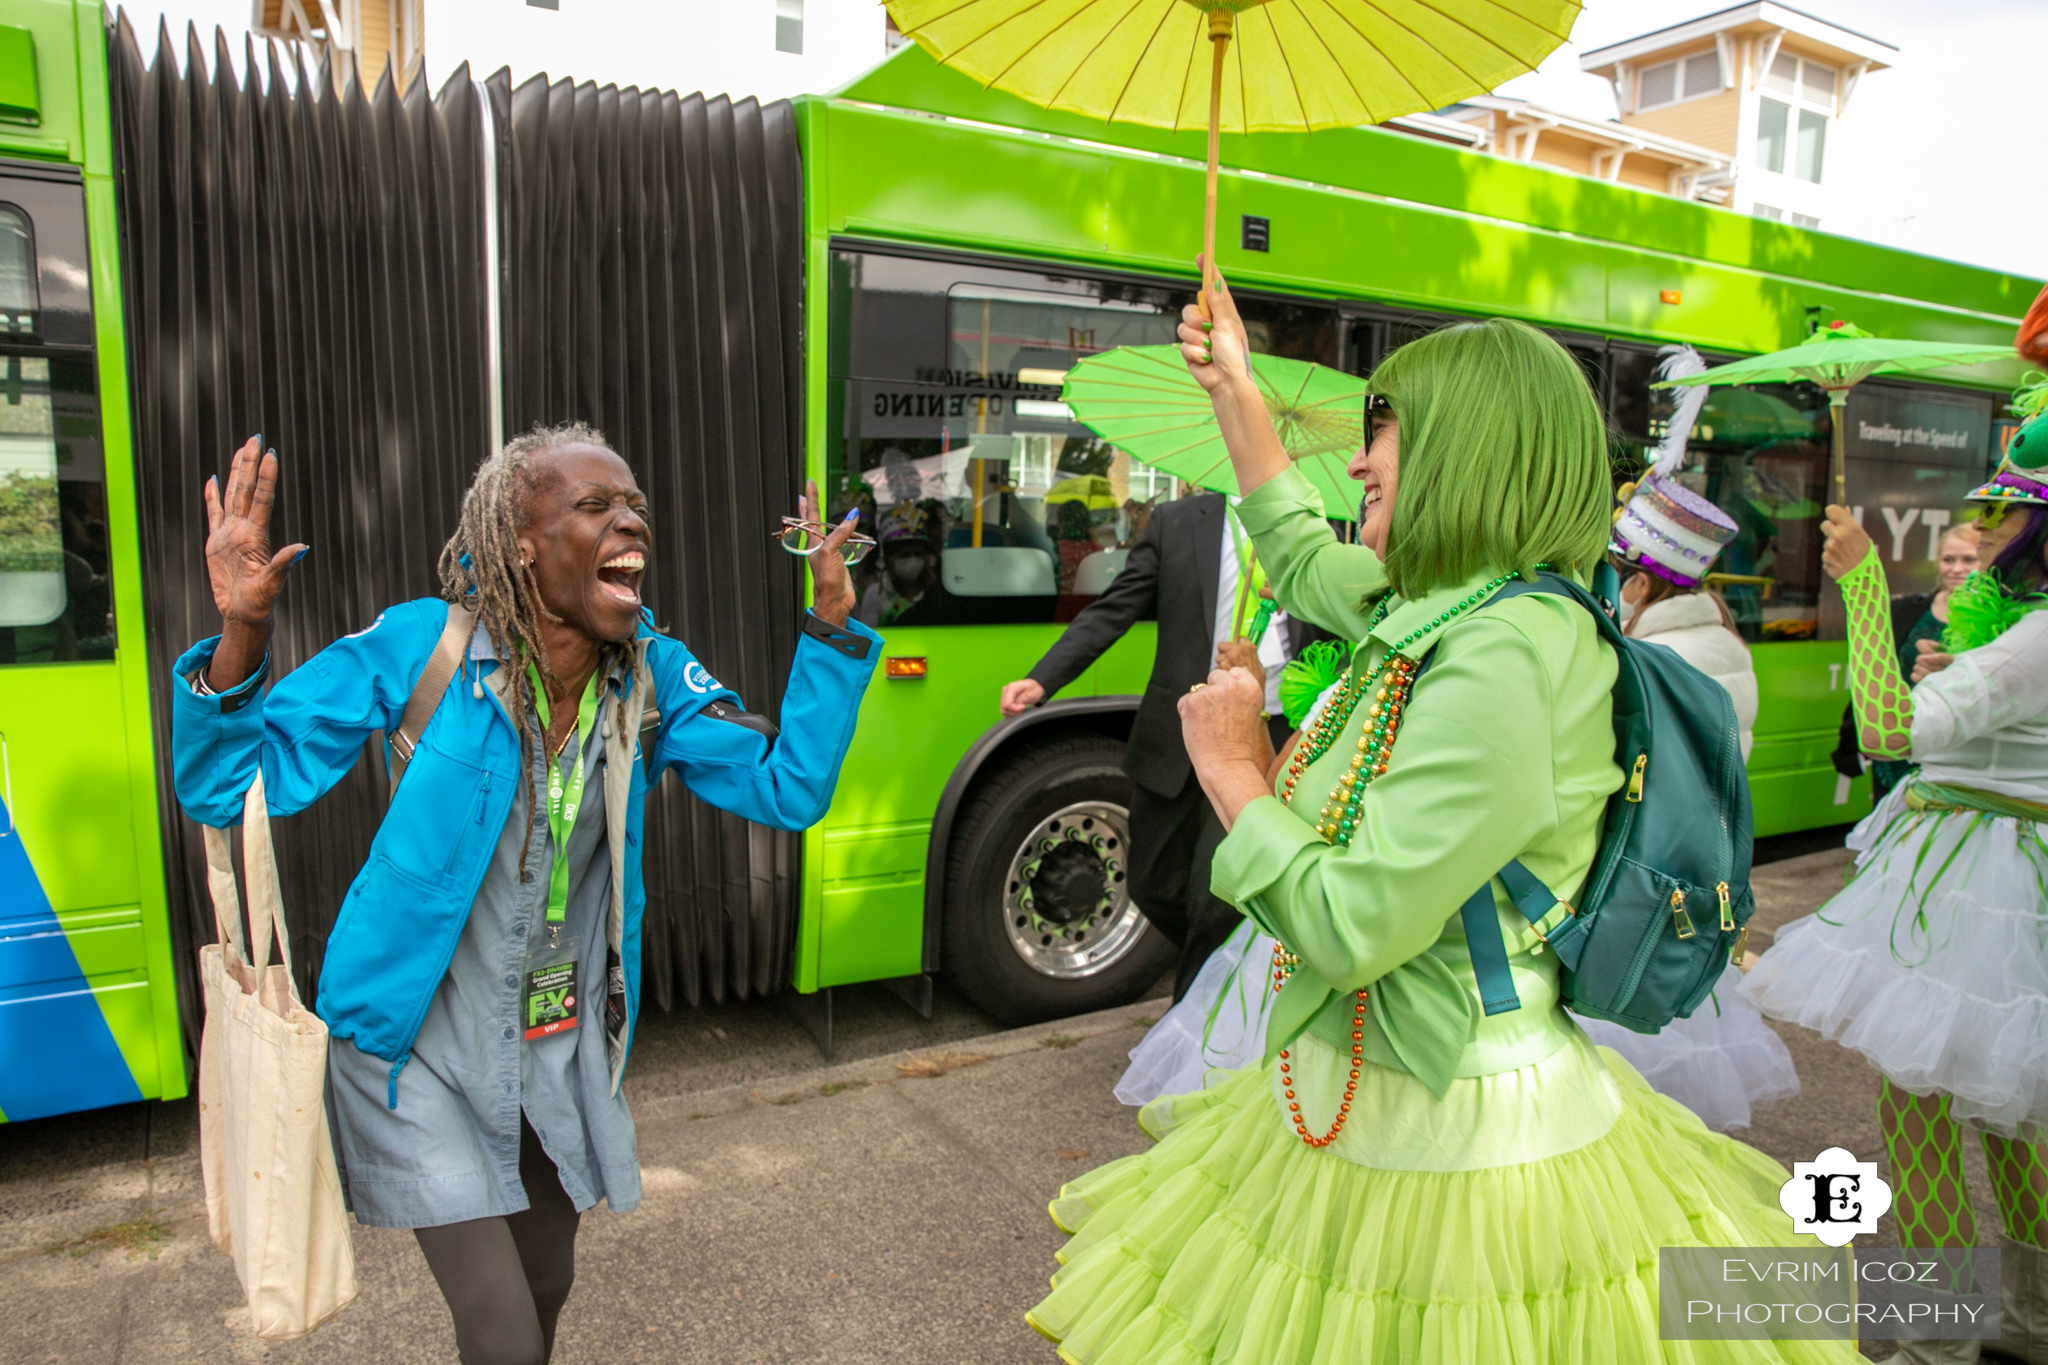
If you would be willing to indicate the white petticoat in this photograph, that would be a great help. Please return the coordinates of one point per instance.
(1176, 1054)
(1719, 1066)
(1722, 1063)
(1932, 962)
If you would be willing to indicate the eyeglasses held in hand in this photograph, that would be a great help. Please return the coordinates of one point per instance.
(801, 537)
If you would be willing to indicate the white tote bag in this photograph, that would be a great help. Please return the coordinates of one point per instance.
(273, 1196)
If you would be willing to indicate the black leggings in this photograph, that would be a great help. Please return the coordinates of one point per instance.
(506, 1279)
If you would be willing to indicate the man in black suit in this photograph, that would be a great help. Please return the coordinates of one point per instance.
(1175, 573)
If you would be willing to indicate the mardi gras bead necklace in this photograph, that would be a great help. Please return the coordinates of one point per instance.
(1387, 685)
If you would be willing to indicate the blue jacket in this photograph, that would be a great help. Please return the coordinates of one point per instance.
(398, 926)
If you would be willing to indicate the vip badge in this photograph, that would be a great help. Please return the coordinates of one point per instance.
(1834, 1197)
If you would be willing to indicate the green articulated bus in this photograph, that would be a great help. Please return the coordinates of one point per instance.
(960, 251)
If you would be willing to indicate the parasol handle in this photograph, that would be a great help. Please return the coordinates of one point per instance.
(1222, 23)
(1838, 405)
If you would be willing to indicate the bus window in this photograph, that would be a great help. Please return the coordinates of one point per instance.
(20, 299)
(56, 597)
(990, 503)
(56, 602)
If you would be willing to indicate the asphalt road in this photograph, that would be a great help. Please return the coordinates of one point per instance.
(793, 1211)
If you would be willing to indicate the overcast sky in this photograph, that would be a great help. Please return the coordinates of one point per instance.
(1942, 153)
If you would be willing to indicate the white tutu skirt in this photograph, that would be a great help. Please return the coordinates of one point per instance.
(1723, 1063)
(1220, 1025)
(1932, 962)
(1720, 1066)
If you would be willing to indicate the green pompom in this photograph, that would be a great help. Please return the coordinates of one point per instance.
(1980, 611)
(1309, 676)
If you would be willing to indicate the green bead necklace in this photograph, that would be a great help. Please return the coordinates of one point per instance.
(1388, 684)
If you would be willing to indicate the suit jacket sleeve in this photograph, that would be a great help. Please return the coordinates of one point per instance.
(1133, 594)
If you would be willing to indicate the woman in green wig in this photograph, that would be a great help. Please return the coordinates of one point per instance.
(1403, 1178)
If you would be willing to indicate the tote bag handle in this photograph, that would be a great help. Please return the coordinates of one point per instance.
(266, 896)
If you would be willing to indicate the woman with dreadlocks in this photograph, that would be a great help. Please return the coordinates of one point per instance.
(481, 981)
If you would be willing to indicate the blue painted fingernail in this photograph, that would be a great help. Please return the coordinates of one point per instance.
(852, 514)
(302, 554)
(259, 438)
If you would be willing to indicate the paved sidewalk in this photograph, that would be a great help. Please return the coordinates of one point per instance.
(837, 1214)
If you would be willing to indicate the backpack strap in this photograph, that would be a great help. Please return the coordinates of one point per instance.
(1483, 938)
(650, 716)
(427, 692)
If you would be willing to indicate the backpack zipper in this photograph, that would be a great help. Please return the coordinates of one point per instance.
(1680, 921)
(1635, 778)
(1727, 910)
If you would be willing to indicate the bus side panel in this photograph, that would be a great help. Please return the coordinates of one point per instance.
(1793, 784)
(872, 843)
(75, 1019)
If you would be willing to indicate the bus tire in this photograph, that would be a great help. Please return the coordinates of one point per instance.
(1038, 921)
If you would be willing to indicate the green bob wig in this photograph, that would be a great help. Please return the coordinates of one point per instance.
(1503, 457)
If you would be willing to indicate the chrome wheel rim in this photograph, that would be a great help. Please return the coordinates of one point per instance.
(1067, 907)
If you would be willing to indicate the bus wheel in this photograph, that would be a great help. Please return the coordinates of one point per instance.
(1039, 921)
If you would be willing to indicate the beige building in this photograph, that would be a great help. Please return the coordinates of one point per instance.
(1737, 108)
(378, 33)
(1762, 84)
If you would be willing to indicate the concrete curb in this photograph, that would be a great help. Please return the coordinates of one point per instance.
(794, 1089)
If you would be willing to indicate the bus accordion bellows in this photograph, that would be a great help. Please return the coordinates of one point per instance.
(878, 288)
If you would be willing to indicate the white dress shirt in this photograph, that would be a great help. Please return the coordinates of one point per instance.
(1272, 649)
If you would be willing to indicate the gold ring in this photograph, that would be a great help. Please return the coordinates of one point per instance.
(1198, 687)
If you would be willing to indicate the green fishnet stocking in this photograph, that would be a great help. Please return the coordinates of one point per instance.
(2019, 1177)
(1883, 699)
(1925, 1148)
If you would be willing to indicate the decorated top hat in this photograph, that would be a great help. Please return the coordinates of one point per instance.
(1663, 527)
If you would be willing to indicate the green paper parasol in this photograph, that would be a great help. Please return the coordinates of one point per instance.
(1838, 358)
(1142, 400)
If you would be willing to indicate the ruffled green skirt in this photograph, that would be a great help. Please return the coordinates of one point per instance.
(1232, 1241)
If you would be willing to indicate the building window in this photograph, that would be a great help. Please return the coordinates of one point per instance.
(1766, 211)
(789, 26)
(1805, 81)
(892, 36)
(1805, 220)
(1813, 136)
(1675, 82)
(1773, 123)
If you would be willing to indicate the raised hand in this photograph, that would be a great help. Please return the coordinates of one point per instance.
(246, 574)
(832, 602)
(1845, 543)
(1216, 349)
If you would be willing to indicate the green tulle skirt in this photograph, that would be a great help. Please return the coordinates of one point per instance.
(1232, 1241)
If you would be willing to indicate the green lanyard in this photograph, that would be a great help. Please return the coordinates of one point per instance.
(565, 794)
(1251, 575)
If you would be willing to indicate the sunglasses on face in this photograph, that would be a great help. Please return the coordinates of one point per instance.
(801, 537)
(1378, 409)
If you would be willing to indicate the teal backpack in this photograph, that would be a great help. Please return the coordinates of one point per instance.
(1666, 902)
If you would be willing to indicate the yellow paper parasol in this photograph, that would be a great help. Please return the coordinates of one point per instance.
(1271, 65)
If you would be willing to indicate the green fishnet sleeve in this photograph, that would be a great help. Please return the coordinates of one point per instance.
(1881, 696)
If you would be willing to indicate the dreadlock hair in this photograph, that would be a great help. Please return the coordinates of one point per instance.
(482, 568)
